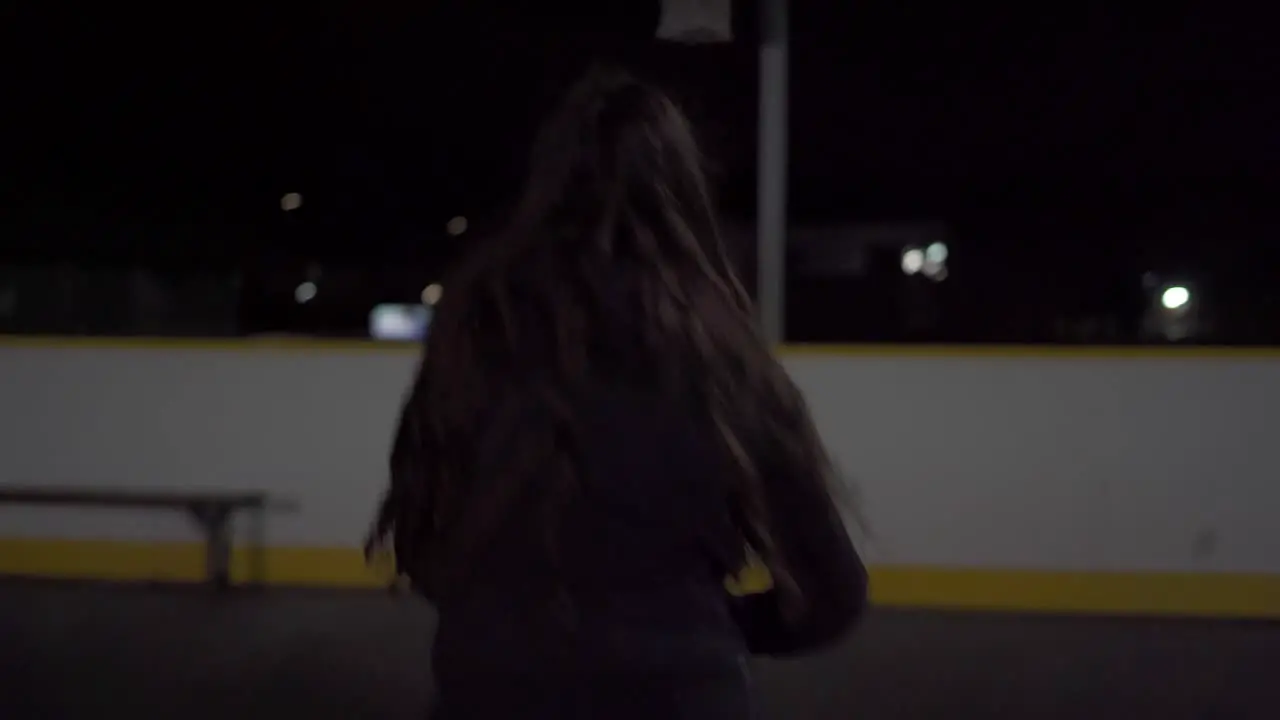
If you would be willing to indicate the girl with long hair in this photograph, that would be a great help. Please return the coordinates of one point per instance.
(597, 437)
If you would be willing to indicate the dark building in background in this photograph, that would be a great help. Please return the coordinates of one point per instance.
(1079, 168)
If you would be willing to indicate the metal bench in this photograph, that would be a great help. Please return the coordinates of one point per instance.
(213, 512)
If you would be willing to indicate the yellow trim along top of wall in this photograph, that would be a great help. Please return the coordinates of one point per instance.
(308, 344)
(1218, 595)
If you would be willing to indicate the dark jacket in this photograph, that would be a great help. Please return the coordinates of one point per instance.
(629, 617)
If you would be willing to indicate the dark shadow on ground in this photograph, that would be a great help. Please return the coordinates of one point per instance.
(92, 651)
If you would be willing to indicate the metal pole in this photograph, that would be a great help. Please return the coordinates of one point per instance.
(771, 171)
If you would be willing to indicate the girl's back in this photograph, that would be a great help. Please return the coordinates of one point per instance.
(597, 436)
(622, 611)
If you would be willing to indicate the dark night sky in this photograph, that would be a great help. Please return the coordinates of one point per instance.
(390, 120)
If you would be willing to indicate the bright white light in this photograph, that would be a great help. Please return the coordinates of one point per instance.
(456, 226)
(912, 261)
(304, 292)
(1175, 297)
(936, 253)
(291, 202)
(431, 294)
(399, 322)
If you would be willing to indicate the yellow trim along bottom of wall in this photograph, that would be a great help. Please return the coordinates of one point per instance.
(1217, 595)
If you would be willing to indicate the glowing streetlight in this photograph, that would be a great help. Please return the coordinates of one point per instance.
(936, 253)
(456, 226)
(304, 292)
(291, 202)
(912, 261)
(431, 294)
(1175, 297)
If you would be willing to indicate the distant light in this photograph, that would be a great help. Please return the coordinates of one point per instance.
(291, 202)
(456, 226)
(912, 261)
(1175, 297)
(304, 292)
(936, 253)
(431, 294)
(399, 322)
(933, 269)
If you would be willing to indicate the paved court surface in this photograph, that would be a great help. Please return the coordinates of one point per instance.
(85, 651)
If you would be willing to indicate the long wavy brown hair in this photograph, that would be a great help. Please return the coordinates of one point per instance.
(612, 266)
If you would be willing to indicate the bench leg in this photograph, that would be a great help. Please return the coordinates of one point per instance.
(216, 523)
(258, 546)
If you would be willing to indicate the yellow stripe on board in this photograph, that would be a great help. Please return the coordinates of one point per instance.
(1171, 594)
(183, 562)
(276, 344)
(1223, 595)
(249, 344)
